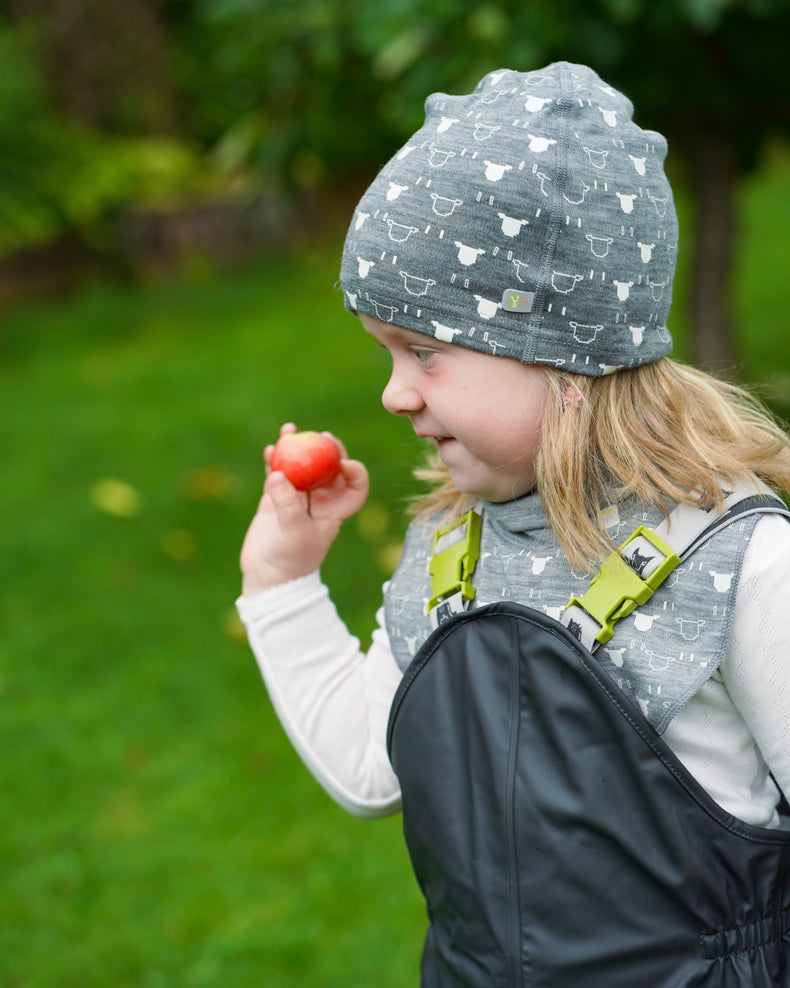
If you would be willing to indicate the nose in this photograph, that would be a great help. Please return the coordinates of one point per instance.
(400, 397)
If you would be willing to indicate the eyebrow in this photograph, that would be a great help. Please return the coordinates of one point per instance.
(410, 335)
(415, 337)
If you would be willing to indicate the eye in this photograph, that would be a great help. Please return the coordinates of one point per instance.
(422, 356)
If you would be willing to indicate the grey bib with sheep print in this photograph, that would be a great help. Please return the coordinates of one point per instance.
(660, 655)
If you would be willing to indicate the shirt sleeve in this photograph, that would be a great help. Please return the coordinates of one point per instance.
(756, 667)
(332, 699)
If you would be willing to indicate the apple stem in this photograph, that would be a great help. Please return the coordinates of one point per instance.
(308, 504)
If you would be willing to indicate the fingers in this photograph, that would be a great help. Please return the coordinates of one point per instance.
(341, 498)
(356, 477)
(336, 441)
(291, 531)
(358, 487)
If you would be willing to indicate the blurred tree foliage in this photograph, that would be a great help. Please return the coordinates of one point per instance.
(103, 102)
(88, 119)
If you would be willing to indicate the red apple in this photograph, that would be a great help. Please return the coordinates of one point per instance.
(308, 459)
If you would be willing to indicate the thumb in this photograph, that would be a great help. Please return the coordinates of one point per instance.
(289, 505)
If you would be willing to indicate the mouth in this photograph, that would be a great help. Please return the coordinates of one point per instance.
(436, 441)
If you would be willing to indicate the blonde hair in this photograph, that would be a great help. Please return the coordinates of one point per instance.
(663, 433)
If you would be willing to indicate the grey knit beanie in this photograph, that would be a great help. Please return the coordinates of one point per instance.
(530, 219)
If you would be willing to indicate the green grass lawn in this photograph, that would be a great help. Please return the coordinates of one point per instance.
(155, 826)
(156, 829)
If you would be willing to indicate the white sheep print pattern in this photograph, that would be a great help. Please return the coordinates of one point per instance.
(531, 219)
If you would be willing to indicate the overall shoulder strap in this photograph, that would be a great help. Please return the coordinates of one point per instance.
(456, 549)
(630, 576)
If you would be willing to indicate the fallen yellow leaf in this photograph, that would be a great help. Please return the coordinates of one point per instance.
(116, 497)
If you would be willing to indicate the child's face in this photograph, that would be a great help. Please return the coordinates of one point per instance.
(483, 413)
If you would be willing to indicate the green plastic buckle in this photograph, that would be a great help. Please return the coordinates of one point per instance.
(616, 589)
(451, 568)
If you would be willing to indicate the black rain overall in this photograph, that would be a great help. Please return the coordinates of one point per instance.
(557, 839)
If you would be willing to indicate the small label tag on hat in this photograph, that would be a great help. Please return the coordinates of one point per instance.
(515, 301)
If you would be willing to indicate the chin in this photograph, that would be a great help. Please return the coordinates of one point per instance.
(488, 483)
(485, 491)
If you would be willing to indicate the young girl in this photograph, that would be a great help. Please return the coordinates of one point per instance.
(590, 763)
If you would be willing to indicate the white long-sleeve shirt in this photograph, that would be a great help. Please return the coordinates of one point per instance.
(334, 700)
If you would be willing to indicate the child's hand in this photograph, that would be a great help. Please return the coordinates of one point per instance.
(292, 531)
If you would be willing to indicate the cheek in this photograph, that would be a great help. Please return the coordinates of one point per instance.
(522, 406)
(518, 430)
